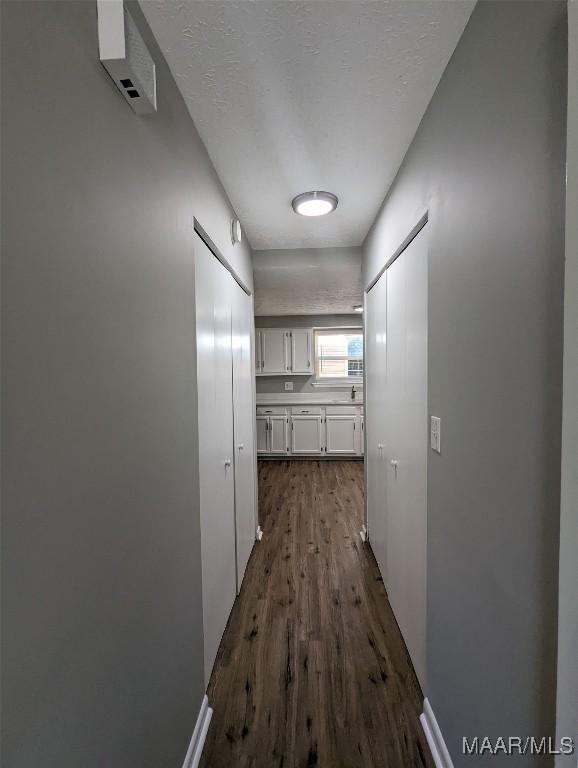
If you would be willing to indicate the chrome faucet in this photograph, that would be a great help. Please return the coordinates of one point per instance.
(353, 392)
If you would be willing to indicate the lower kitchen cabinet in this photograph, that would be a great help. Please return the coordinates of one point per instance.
(310, 430)
(272, 431)
(306, 437)
(341, 434)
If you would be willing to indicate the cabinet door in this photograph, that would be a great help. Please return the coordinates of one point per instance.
(301, 351)
(341, 434)
(262, 434)
(277, 434)
(258, 351)
(306, 434)
(275, 351)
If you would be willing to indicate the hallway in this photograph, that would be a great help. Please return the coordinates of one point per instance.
(312, 669)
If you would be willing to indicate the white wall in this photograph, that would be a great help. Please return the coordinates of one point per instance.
(488, 162)
(567, 702)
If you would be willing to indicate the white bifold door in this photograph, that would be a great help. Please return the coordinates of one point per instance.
(375, 419)
(226, 470)
(397, 439)
(407, 445)
(243, 428)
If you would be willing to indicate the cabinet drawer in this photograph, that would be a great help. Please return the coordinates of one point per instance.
(306, 410)
(271, 410)
(342, 410)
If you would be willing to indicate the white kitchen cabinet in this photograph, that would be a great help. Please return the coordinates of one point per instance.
(258, 350)
(301, 351)
(262, 434)
(310, 430)
(283, 351)
(341, 434)
(306, 434)
(278, 434)
(275, 351)
(272, 431)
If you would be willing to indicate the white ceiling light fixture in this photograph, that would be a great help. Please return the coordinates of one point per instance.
(314, 203)
(236, 231)
(358, 308)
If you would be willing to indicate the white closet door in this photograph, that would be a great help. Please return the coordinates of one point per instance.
(216, 471)
(375, 419)
(407, 445)
(243, 409)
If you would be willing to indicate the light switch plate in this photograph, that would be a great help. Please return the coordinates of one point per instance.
(288, 386)
(436, 436)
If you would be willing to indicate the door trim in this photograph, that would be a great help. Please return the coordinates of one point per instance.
(202, 233)
(195, 750)
(414, 231)
(434, 736)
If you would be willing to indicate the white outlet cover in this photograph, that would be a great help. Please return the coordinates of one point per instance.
(288, 386)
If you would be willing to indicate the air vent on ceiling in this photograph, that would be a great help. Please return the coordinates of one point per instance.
(125, 56)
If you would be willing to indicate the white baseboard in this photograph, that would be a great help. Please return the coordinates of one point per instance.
(195, 749)
(433, 734)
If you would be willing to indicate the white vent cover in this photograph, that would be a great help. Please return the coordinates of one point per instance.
(126, 57)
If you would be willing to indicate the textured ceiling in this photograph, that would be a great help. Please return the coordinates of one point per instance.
(290, 96)
(313, 281)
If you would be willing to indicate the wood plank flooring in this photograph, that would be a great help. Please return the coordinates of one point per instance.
(312, 670)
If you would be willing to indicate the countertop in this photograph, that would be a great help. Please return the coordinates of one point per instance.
(297, 398)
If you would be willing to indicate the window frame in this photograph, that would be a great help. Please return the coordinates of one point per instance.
(337, 381)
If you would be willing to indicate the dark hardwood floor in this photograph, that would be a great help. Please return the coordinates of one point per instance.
(312, 669)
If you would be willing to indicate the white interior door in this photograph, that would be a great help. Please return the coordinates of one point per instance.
(216, 472)
(375, 419)
(275, 351)
(341, 434)
(407, 445)
(245, 513)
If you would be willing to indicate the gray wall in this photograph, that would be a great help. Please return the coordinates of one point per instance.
(488, 161)
(269, 384)
(567, 705)
(101, 581)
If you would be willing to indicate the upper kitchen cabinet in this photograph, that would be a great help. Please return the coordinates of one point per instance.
(301, 350)
(282, 351)
(275, 351)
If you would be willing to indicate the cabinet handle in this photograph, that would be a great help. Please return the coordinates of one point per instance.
(240, 447)
(227, 463)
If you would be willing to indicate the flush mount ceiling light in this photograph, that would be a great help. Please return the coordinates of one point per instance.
(358, 308)
(314, 203)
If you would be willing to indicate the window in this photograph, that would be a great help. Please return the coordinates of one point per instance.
(339, 354)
